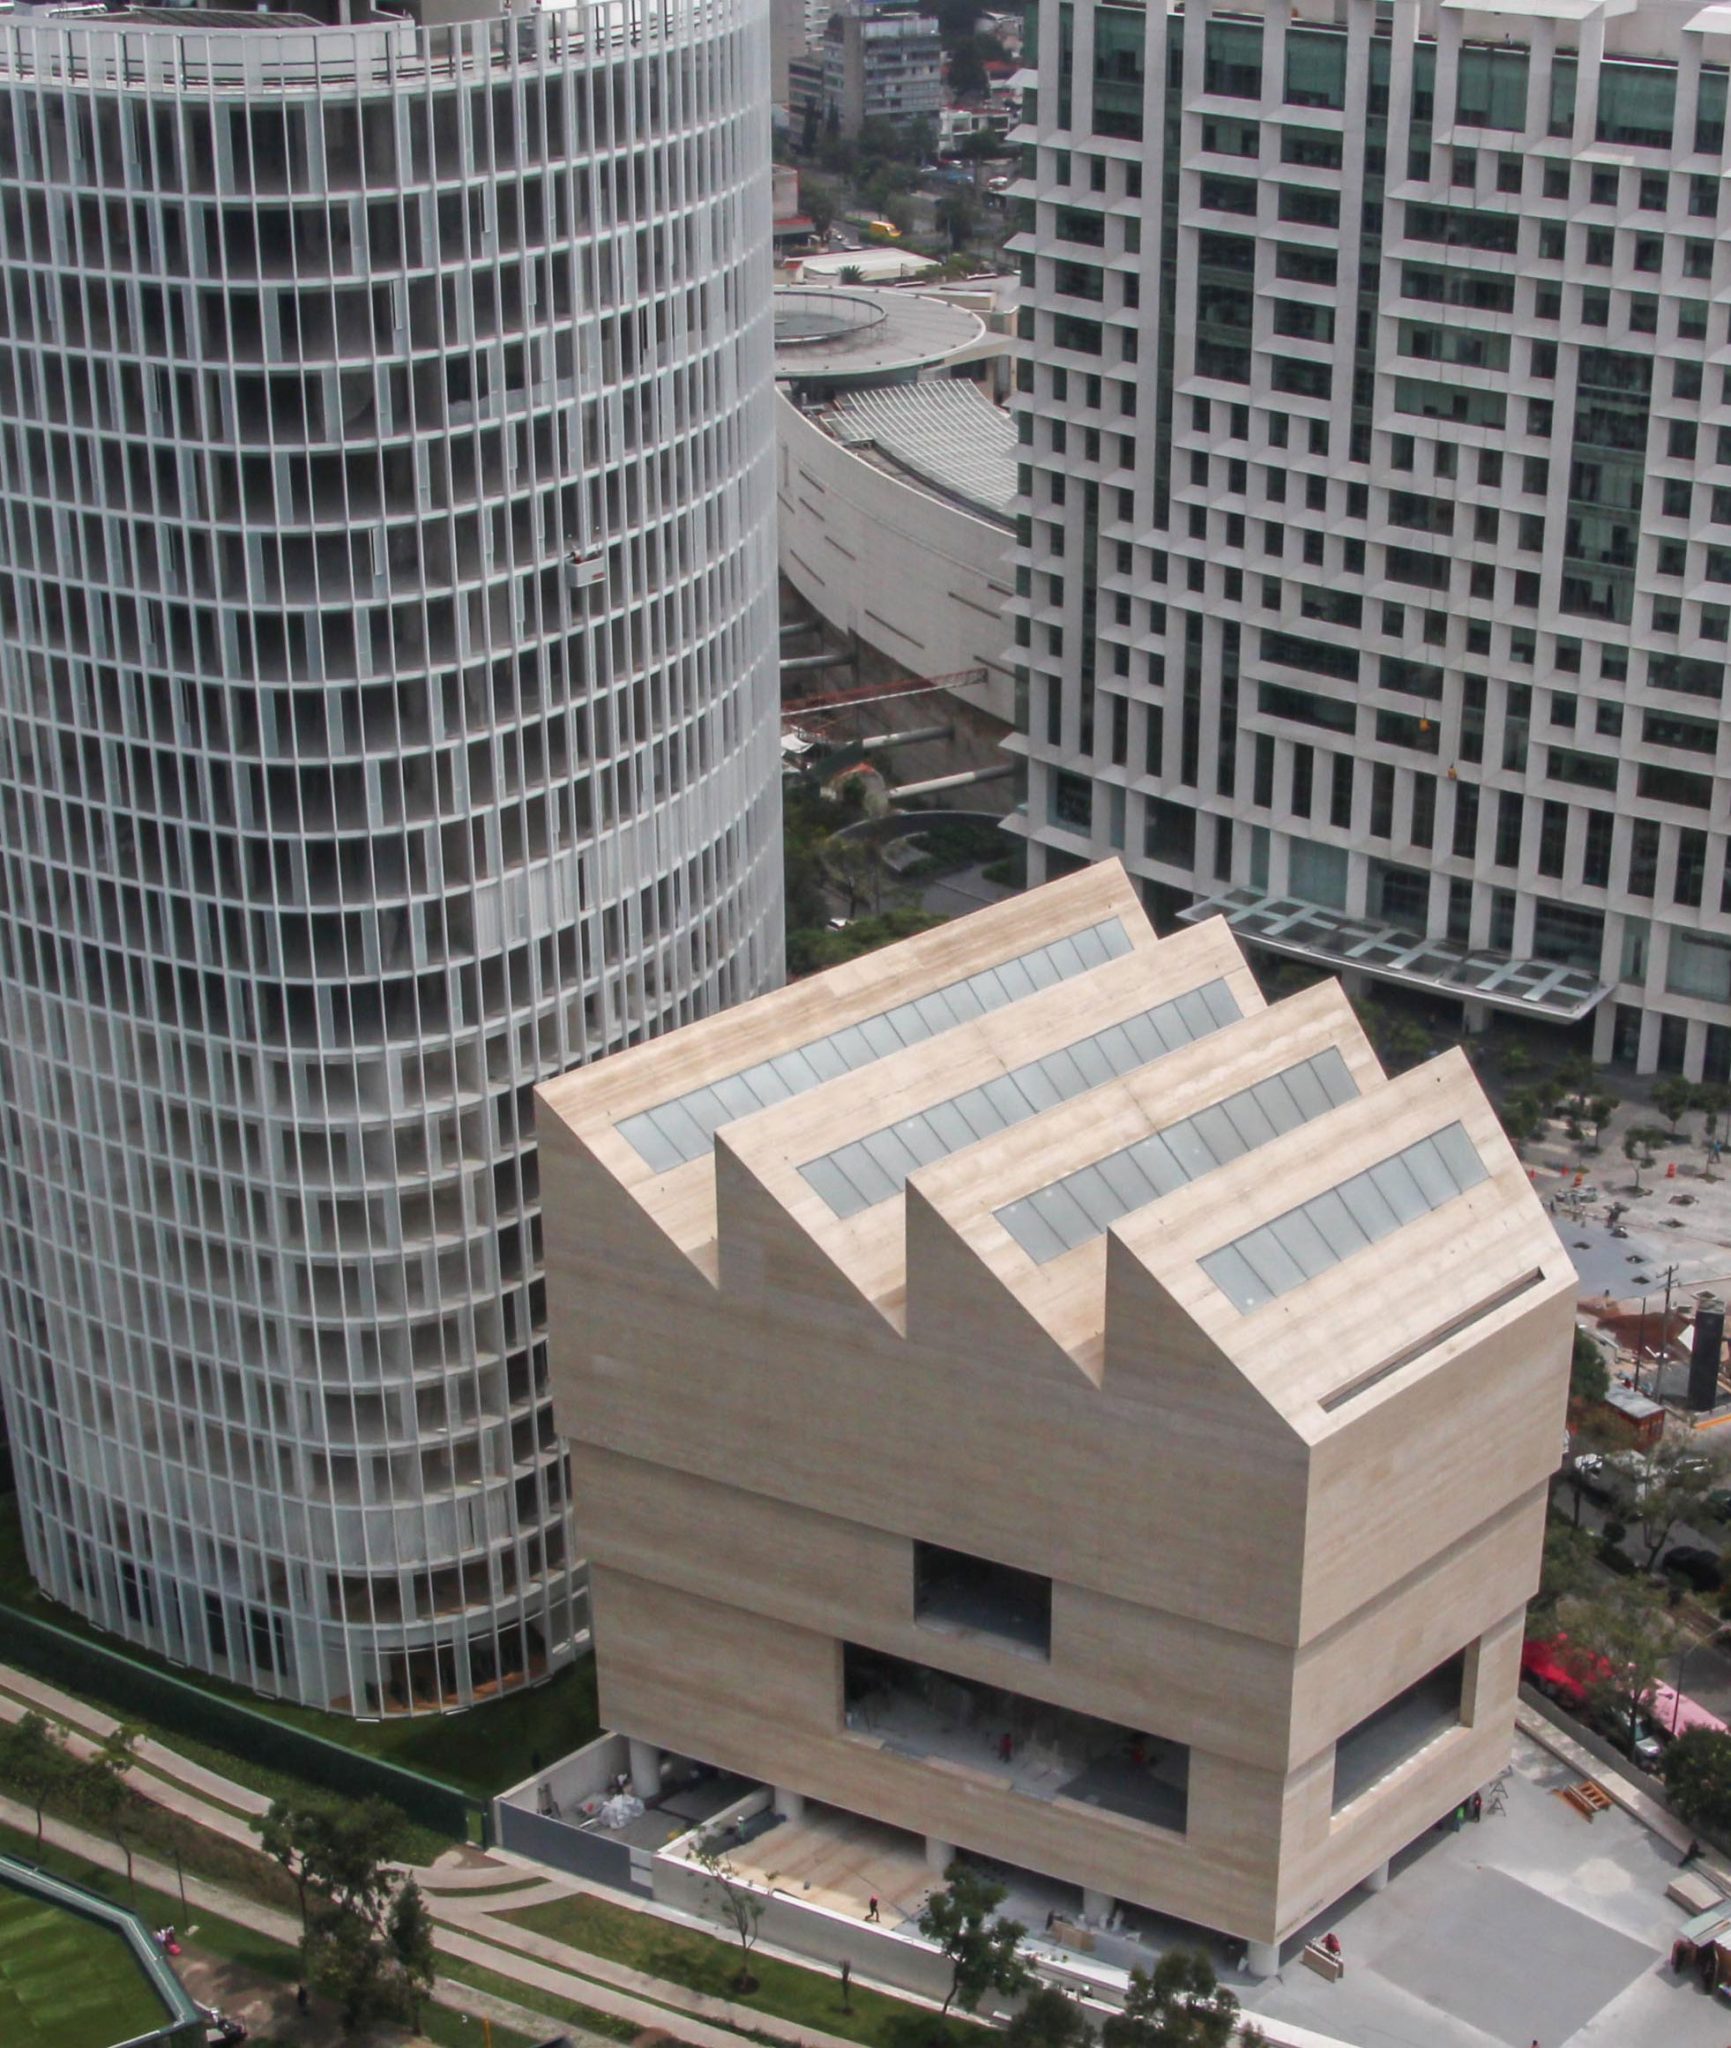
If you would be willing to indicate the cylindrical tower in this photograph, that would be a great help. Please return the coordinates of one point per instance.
(387, 722)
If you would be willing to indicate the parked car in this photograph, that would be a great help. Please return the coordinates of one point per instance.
(1695, 1566)
(1717, 1505)
(1617, 1477)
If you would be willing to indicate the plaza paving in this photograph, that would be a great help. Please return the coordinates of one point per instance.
(1535, 1924)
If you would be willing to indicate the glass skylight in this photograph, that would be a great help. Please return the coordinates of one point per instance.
(1084, 1204)
(1278, 1256)
(684, 1128)
(869, 1170)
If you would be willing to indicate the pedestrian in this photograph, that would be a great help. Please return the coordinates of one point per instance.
(846, 1975)
(1478, 1806)
(301, 2000)
(872, 1907)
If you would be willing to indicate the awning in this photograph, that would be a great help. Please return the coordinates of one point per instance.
(1307, 931)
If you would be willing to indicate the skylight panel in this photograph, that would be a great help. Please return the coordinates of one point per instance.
(1361, 1211)
(1044, 1222)
(685, 1126)
(1071, 1070)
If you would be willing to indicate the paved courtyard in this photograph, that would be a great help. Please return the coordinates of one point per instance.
(1535, 1924)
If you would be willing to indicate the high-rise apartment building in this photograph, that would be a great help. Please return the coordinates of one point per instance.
(387, 687)
(1375, 582)
(881, 66)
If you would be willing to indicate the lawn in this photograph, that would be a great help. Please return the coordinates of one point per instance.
(702, 1962)
(479, 1752)
(234, 1943)
(66, 1982)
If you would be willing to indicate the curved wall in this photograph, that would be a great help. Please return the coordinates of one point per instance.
(920, 579)
(387, 722)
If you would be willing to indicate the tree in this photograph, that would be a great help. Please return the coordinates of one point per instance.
(967, 78)
(1569, 1568)
(99, 1789)
(1521, 1119)
(1696, 1769)
(1638, 1150)
(369, 1943)
(957, 215)
(410, 1934)
(818, 199)
(981, 1949)
(1181, 2005)
(34, 1763)
(1049, 2018)
(294, 1834)
(1600, 1110)
(1678, 1478)
(741, 1904)
(1589, 1376)
(1713, 1099)
(1618, 1646)
(1673, 1098)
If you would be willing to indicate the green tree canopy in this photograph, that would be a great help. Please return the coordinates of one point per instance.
(34, 1762)
(982, 1950)
(1181, 2004)
(1589, 1376)
(1049, 2018)
(1697, 1774)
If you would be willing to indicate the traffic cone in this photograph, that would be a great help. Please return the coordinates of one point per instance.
(1671, 1170)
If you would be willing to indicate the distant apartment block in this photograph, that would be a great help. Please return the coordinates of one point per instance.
(881, 66)
(387, 722)
(1024, 1388)
(1376, 545)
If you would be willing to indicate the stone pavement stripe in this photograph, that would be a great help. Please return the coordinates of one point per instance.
(476, 1877)
(539, 2026)
(599, 1970)
(161, 1877)
(603, 1998)
(160, 1791)
(163, 1759)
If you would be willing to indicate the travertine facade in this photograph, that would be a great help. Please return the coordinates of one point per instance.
(1174, 1543)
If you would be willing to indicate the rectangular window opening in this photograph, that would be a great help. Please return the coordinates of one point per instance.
(956, 1591)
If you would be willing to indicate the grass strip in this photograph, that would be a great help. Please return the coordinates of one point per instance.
(480, 1751)
(248, 1949)
(567, 2010)
(706, 1963)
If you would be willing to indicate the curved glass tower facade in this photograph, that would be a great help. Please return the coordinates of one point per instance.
(387, 722)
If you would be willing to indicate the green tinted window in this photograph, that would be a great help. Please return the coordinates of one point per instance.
(1563, 70)
(1492, 88)
(1232, 59)
(1637, 104)
(1315, 67)
(1710, 113)
(1119, 34)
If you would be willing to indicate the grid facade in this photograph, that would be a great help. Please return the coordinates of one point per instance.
(387, 723)
(1375, 519)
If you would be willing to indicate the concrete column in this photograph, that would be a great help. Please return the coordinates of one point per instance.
(1377, 1878)
(1475, 1018)
(645, 1769)
(790, 1805)
(1096, 1906)
(939, 1855)
(1262, 1958)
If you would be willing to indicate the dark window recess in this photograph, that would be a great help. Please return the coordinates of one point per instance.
(1385, 1740)
(955, 1591)
(1020, 1742)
